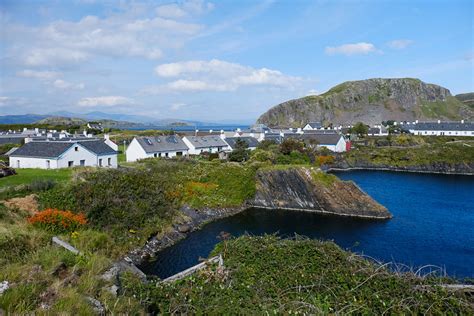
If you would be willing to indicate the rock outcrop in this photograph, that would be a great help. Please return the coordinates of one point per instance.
(435, 167)
(309, 190)
(371, 101)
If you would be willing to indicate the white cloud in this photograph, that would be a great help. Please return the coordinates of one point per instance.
(399, 44)
(50, 78)
(177, 106)
(8, 102)
(361, 48)
(41, 75)
(217, 75)
(62, 43)
(104, 101)
(170, 11)
(64, 85)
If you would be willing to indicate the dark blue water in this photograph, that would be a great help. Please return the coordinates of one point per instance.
(433, 224)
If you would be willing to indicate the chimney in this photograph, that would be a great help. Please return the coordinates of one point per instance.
(24, 129)
(106, 137)
(462, 121)
(36, 130)
(416, 122)
(210, 131)
(84, 133)
(439, 121)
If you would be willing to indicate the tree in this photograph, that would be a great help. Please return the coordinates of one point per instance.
(240, 152)
(290, 144)
(360, 129)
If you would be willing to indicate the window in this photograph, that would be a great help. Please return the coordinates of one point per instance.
(179, 153)
(18, 163)
(100, 162)
(82, 162)
(166, 155)
(76, 148)
(109, 161)
(159, 155)
(154, 155)
(70, 163)
(48, 164)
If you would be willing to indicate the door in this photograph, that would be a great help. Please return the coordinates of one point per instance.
(83, 163)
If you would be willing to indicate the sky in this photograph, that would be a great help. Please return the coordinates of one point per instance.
(220, 61)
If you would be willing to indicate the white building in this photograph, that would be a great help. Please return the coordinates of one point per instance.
(63, 154)
(439, 128)
(311, 126)
(200, 144)
(333, 141)
(156, 146)
(251, 142)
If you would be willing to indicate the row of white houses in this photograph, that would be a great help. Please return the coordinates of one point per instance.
(175, 146)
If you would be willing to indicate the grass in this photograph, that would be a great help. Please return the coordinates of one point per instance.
(414, 151)
(268, 275)
(27, 176)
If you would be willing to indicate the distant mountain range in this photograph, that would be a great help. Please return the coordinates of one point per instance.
(115, 119)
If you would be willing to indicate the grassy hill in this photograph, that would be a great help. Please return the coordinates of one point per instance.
(371, 101)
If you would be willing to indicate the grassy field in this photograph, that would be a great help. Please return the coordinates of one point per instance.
(268, 275)
(27, 176)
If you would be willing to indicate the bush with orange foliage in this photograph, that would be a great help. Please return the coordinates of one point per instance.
(325, 160)
(58, 221)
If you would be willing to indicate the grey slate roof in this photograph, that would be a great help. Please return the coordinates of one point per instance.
(11, 140)
(322, 139)
(275, 137)
(55, 149)
(443, 126)
(251, 141)
(206, 141)
(99, 147)
(42, 149)
(155, 144)
(315, 124)
(8, 153)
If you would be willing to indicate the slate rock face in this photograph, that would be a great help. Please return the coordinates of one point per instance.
(371, 101)
(296, 189)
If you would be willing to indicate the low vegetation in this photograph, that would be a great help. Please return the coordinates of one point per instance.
(269, 275)
(405, 150)
(115, 210)
(30, 176)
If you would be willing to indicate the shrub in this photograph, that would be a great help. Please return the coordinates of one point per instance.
(57, 221)
(325, 160)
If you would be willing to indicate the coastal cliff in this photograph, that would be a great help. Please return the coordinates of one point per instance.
(309, 190)
(371, 101)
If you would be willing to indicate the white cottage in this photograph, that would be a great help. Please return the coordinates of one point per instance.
(311, 126)
(332, 141)
(63, 154)
(156, 146)
(440, 128)
(200, 144)
(251, 142)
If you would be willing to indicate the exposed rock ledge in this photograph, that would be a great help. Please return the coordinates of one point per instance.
(292, 189)
(435, 167)
(302, 189)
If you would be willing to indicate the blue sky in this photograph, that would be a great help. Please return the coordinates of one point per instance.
(220, 61)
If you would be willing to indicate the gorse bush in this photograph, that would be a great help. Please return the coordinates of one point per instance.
(57, 221)
(120, 199)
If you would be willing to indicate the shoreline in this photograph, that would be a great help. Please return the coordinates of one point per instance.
(335, 169)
